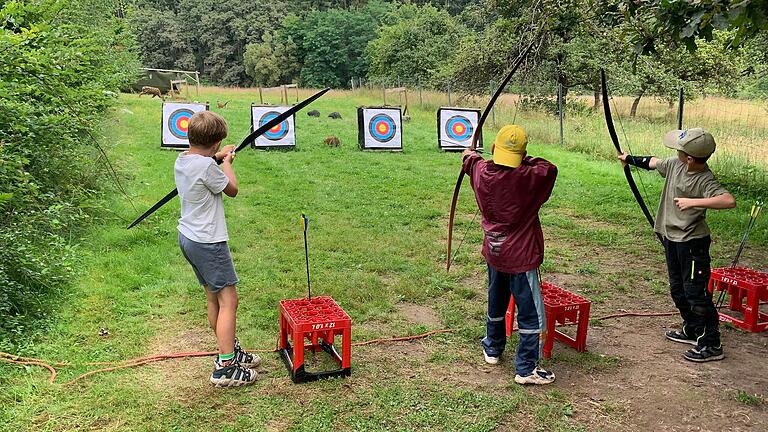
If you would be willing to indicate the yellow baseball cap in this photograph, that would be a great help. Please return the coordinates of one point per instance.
(509, 147)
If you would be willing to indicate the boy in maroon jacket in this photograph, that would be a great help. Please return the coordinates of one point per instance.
(510, 190)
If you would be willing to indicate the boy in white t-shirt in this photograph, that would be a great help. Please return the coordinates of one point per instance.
(203, 239)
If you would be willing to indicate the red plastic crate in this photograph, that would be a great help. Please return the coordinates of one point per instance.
(561, 307)
(317, 321)
(747, 288)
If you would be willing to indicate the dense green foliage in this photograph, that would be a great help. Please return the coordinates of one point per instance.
(465, 44)
(58, 75)
(418, 45)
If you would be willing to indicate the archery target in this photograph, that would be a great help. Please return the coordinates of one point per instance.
(281, 135)
(456, 127)
(175, 119)
(380, 128)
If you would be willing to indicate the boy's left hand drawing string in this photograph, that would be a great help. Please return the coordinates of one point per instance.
(247, 140)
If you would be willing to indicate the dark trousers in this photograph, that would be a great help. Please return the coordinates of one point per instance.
(688, 266)
(530, 316)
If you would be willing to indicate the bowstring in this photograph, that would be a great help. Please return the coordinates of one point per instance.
(517, 105)
(629, 147)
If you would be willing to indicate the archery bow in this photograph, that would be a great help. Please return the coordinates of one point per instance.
(627, 172)
(473, 146)
(247, 140)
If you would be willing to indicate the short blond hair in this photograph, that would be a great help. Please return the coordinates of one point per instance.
(206, 129)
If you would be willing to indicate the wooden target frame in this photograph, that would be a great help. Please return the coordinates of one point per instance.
(171, 123)
(389, 137)
(456, 127)
(272, 139)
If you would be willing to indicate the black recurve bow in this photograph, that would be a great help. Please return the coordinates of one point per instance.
(473, 146)
(627, 172)
(246, 141)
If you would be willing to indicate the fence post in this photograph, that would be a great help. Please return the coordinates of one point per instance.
(680, 103)
(493, 108)
(560, 109)
(421, 100)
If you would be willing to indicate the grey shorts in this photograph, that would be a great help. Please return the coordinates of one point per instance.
(211, 262)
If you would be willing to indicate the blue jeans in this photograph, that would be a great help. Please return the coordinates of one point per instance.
(530, 316)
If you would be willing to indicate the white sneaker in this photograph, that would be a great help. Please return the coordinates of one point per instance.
(539, 376)
(232, 375)
(245, 358)
(490, 360)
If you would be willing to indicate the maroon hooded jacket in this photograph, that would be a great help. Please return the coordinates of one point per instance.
(509, 200)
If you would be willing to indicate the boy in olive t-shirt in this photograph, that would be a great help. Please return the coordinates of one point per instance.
(689, 190)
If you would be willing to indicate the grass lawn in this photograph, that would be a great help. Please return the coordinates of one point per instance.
(377, 245)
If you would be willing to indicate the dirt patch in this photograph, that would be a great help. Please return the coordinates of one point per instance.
(655, 388)
(419, 314)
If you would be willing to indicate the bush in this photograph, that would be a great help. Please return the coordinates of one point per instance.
(61, 63)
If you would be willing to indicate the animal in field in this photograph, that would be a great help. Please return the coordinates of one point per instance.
(314, 113)
(154, 91)
(406, 118)
(334, 115)
(222, 105)
(332, 141)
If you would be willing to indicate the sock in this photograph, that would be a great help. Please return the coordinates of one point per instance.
(226, 358)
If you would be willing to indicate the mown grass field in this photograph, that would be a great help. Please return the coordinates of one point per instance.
(377, 245)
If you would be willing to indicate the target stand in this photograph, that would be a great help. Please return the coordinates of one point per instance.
(175, 123)
(456, 127)
(380, 128)
(280, 137)
(317, 321)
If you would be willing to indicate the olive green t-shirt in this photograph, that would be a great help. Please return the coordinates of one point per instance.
(673, 223)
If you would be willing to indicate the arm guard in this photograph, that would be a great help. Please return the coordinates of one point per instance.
(640, 161)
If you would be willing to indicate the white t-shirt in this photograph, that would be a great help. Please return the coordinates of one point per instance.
(200, 182)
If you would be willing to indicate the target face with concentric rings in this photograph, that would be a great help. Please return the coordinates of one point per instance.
(382, 128)
(178, 122)
(278, 132)
(282, 135)
(176, 117)
(456, 128)
(459, 128)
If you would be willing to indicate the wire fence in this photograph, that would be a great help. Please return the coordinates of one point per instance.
(576, 122)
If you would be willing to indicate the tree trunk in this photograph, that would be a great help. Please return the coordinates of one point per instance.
(596, 105)
(636, 102)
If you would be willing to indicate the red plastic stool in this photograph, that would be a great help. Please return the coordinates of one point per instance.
(317, 320)
(560, 307)
(742, 284)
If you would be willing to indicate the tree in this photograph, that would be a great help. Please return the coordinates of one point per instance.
(273, 61)
(660, 22)
(417, 45)
(330, 44)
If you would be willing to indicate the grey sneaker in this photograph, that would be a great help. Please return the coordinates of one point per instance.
(232, 375)
(680, 336)
(704, 354)
(539, 376)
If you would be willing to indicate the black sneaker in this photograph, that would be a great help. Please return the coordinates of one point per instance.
(704, 354)
(232, 375)
(680, 336)
(245, 358)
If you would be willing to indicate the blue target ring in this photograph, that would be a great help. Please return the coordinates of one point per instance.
(382, 128)
(178, 122)
(459, 128)
(278, 132)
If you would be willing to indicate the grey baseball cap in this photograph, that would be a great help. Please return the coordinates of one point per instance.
(696, 142)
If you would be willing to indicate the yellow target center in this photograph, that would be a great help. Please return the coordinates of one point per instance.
(184, 124)
(460, 129)
(382, 128)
